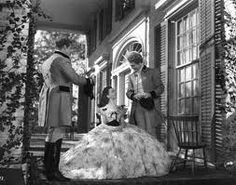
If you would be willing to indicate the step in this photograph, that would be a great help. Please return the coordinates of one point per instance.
(37, 143)
(43, 136)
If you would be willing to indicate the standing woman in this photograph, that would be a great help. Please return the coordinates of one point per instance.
(55, 104)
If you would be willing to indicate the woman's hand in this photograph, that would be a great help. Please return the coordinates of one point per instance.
(122, 110)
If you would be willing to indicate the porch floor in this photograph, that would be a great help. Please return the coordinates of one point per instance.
(202, 176)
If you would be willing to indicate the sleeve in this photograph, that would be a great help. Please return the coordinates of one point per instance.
(158, 85)
(67, 70)
(130, 90)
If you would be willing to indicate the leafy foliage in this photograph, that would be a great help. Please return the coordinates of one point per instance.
(13, 51)
(229, 77)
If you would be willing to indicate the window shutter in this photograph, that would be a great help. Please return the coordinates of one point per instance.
(119, 12)
(206, 76)
(89, 39)
(163, 65)
(101, 25)
(163, 33)
(109, 17)
(219, 29)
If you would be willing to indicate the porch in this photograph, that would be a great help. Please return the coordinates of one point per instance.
(210, 176)
(181, 177)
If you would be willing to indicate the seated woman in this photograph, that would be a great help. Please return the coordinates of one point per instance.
(114, 149)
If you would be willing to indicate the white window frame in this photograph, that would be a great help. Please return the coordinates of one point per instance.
(185, 65)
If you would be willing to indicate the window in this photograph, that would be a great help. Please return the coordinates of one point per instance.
(187, 64)
(123, 7)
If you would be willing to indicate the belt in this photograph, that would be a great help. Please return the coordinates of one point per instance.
(64, 88)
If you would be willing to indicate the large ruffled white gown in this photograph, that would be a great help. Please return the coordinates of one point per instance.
(115, 152)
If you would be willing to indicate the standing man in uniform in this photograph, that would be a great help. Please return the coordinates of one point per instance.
(144, 89)
(55, 103)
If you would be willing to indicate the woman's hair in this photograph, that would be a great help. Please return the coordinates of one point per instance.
(104, 99)
(63, 42)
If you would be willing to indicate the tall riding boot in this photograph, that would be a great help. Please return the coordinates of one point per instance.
(48, 160)
(57, 174)
(57, 152)
(46, 152)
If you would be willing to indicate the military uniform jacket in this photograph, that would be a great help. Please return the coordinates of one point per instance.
(55, 99)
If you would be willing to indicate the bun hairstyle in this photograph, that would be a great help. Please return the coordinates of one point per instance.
(134, 57)
(104, 99)
(63, 42)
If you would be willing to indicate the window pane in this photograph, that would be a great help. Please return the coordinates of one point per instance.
(191, 54)
(195, 88)
(181, 106)
(188, 108)
(194, 19)
(182, 90)
(184, 57)
(191, 20)
(188, 89)
(194, 36)
(187, 39)
(184, 41)
(190, 38)
(188, 73)
(179, 58)
(195, 105)
(181, 75)
(179, 42)
(197, 17)
(197, 35)
(187, 23)
(195, 70)
(184, 24)
(187, 55)
(179, 27)
(194, 52)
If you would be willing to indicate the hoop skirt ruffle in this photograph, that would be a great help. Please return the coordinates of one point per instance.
(108, 152)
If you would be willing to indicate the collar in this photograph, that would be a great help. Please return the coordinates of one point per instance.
(143, 69)
(63, 54)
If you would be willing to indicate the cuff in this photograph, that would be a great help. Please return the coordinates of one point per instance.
(153, 94)
(88, 82)
(132, 97)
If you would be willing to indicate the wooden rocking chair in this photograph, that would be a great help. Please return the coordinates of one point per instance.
(187, 130)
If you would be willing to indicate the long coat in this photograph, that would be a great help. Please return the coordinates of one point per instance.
(55, 103)
(151, 82)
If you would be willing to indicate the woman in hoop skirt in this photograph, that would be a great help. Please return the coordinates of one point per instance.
(114, 149)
